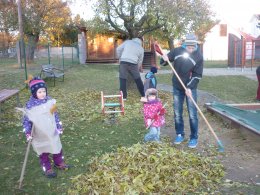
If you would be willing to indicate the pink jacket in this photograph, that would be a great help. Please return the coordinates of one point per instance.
(150, 110)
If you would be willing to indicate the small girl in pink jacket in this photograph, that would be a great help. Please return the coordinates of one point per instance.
(153, 115)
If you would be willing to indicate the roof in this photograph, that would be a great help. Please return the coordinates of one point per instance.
(246, 36)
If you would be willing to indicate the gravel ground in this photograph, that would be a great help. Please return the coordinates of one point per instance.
(247, 72)
(242, 148)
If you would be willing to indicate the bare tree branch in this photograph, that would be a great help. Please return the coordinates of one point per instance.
(150, 29)
(108, 19)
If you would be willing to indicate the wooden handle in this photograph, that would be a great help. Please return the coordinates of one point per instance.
(185, 88)
(25, 160)
(154, 119)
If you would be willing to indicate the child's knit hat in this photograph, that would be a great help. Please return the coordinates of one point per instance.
(151, 91)
(35, 84)
(154, 69)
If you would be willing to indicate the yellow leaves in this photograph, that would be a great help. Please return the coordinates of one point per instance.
(53, 109)
(30, 77)
(149, 168)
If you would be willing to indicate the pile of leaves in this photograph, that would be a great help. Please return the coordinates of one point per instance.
(149, 168)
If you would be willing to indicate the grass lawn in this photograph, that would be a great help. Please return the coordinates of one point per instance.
(237, 89)
(215, 64)
(207, 63)
(86, 132)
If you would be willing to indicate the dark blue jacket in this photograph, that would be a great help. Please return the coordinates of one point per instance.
(188, 66)
(150, 81)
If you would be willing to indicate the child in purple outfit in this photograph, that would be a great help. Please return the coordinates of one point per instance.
(43, 118)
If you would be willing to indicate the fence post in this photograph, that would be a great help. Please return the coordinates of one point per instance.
(72, 55)
(20, 56)
(49, 57)
(77, 51)
(62, 57)
(252, 54)
(25, 67)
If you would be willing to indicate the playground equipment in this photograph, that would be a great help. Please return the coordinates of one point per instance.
(110, 107)
(245, 116)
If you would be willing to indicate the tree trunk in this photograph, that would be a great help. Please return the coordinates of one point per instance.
(171, 43)
(33, 40)
(21, 34)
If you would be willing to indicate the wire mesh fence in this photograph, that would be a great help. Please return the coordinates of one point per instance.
(18, 60)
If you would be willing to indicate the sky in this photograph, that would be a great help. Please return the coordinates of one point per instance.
(235, 12)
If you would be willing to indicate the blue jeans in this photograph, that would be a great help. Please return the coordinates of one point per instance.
(179, 96)
(153, 134)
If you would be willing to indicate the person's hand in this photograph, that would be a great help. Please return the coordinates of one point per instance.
(188, 92)
(143, 99)
(141, 68)
(149, 122)
(165, 57)
(28, 137)
(60, 131)
(162, 111)
(155, 117)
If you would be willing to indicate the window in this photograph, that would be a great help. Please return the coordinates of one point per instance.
(223, 30)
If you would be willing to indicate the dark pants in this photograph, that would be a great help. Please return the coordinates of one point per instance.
(179, 96)
(126, 68)
(258, 89)
(258, 77)
(45, 161)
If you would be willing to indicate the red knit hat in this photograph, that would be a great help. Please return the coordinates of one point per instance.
(35, 84)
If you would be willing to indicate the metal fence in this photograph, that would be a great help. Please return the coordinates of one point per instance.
(243, 52)
(18, 60)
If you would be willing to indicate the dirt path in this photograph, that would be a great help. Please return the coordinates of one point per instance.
(242, 148)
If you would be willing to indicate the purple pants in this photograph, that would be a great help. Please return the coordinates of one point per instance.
(45, 161)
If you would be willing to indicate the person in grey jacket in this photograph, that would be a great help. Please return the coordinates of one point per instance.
(130, 54)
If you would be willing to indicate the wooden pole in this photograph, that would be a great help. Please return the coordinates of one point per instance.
(25, 160)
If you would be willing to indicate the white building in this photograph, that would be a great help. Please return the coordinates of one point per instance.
(215, 46)
(255, 25)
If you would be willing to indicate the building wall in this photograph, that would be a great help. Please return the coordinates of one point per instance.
(102, 47)
(254, 30)
(215, 46)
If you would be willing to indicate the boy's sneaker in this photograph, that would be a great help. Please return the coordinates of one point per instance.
(193, 143)
(50, 173)
(179, 139)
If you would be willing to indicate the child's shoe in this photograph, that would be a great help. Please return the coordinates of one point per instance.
(50, 173)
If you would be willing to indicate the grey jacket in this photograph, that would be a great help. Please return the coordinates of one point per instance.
(131, 51)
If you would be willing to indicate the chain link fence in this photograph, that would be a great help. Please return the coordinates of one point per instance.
(18, 60)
